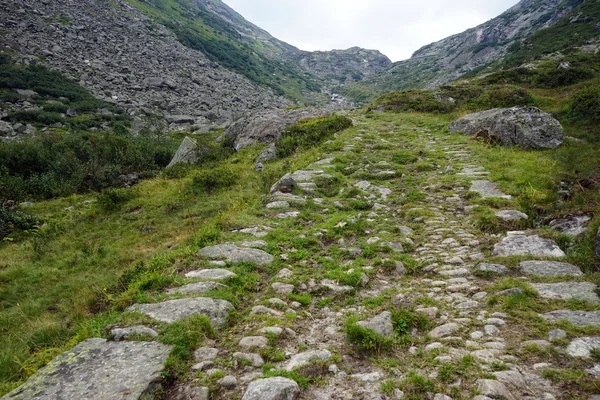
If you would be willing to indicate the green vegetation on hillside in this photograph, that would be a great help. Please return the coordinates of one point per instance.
(198, 28)
(571, 31)
(310, 132)
(56, 95)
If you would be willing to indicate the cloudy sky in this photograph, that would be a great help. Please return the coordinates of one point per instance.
(395, 27)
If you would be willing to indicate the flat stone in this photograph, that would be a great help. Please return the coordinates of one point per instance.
(582, 347)
(467, 305)
(175, 310)
(577, 318)
(444, 330)
(549, 268)
(522, 245)
(497, 269)
(302, 359)
(335, 287)
(488, 190)
(254, 359)
(256, 232)
(255, 244)
(215, 274)
(272, 389)
(235, 254)
(585, 291)
(288, 197)
(557, 334)
(536, 343)
(511, 215)
(124, 333)
(251, 342)
(197, 288)
(262, 310)
(278, 204)
(100, 370)
(228, 382)
(455, 272)
(381, 324)
(494, 389)
(206, 353)
(282, 288)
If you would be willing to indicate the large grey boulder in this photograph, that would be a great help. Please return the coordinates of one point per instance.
(100, 370)
(272, 389)
(175, 310)
(265, 126)
(517, 244)
(235, 254)
(188, 153)
(527, 127)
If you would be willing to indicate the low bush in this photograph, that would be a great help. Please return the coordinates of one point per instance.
(114, 199)
(53, 165)
(414, 101)
(13, 220)
(210, 180)
(585, 106)
(310, 132)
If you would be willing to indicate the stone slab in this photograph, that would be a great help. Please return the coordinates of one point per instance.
(100, 370)
(175, 310)
(523, 245)
(235, 254)
(488, 190)
(549, 268)
(585, 291)
(577, 318)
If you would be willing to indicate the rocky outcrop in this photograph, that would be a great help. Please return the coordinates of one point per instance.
(451, 58)
(349, 65)
(527, 127)
(265, 126)
(124, 57)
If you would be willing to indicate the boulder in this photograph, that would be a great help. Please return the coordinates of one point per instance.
(188, 153)
(175, 310)
(571, 226)
(216, 274)
(264, 126)
(99, 369)
(268, 154)
(272, 389)
(527, 127)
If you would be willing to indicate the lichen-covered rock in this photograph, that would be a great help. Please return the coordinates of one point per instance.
(549, 268)
(235, 254)
(381, 324)
(577, 318)
(527, 127)
(100, 370)
(584, 291)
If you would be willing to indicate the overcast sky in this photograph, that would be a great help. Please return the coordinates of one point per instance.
(395, 27)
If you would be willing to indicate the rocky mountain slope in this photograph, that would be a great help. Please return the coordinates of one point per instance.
(124, 57)
(477, 48)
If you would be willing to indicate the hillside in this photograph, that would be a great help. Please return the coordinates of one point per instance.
(506, 40)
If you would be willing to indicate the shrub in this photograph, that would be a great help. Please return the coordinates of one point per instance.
(209, 180)
(114, 199)
(52, 165)
(15, 220)
(586, 105)
(502, 97)
(310, 132)
(414, 101)
(562, 77)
